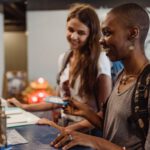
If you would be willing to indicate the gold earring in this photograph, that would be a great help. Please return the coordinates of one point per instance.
(131, 47)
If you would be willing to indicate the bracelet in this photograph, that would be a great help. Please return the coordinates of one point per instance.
(124, 148)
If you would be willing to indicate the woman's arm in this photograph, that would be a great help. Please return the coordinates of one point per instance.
(69, 139)
(84, 125)
(104, 87)
(43, 106)
(44, 121)
(80, 109)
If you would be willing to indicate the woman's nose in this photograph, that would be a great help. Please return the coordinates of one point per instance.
(101, 40)
(74, 36)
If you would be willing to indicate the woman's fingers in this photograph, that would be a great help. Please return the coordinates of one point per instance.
(53, 124)
(77, 139)
(70, 145)
(63, 141)
(70, 139)
(62, 138)
(59, 138)
(69, 110)
(14, 101)
(43, 121)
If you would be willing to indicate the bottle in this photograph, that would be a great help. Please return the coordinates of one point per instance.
(3, 128)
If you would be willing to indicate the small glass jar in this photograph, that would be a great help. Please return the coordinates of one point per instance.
(3, 128)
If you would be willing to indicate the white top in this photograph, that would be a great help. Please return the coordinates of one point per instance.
(104, 67)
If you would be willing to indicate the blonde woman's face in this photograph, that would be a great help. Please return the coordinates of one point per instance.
(77, 34)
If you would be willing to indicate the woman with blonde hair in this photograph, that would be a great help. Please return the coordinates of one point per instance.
(86, 75)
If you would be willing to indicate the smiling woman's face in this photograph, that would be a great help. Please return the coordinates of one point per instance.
(114, 38)
(77, 33)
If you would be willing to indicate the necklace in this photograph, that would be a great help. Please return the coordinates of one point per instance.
(126, 78)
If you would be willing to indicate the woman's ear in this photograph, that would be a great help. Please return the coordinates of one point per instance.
(132, 37)
(133, 33)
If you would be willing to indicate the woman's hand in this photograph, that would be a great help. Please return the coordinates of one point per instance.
(44, 121)
(77, 108)
(81, 109)
(68, 139)
(14, 101)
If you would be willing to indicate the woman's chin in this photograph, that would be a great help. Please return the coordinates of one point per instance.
(74, 47)
(111, 57)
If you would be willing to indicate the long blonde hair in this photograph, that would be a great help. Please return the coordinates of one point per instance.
(87, 63)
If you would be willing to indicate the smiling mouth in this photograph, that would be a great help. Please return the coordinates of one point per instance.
(74, 43)
(105, 49)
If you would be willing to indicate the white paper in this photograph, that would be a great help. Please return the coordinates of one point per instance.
(17, 116)
(14, 138)
(13, 110)
(23, 118)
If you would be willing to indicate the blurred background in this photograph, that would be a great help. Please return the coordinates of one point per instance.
(32, 36)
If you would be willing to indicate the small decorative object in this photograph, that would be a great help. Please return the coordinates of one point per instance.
(37, 91)
(15, 82)
(3, 128)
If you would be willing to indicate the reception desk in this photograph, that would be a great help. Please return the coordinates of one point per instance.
(39, 136)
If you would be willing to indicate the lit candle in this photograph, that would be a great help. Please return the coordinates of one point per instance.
(34, 99)
(41, 80)
(41, 94)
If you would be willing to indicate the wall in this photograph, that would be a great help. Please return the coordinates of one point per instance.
(1, 52)
(46, 41)
(15, 44)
